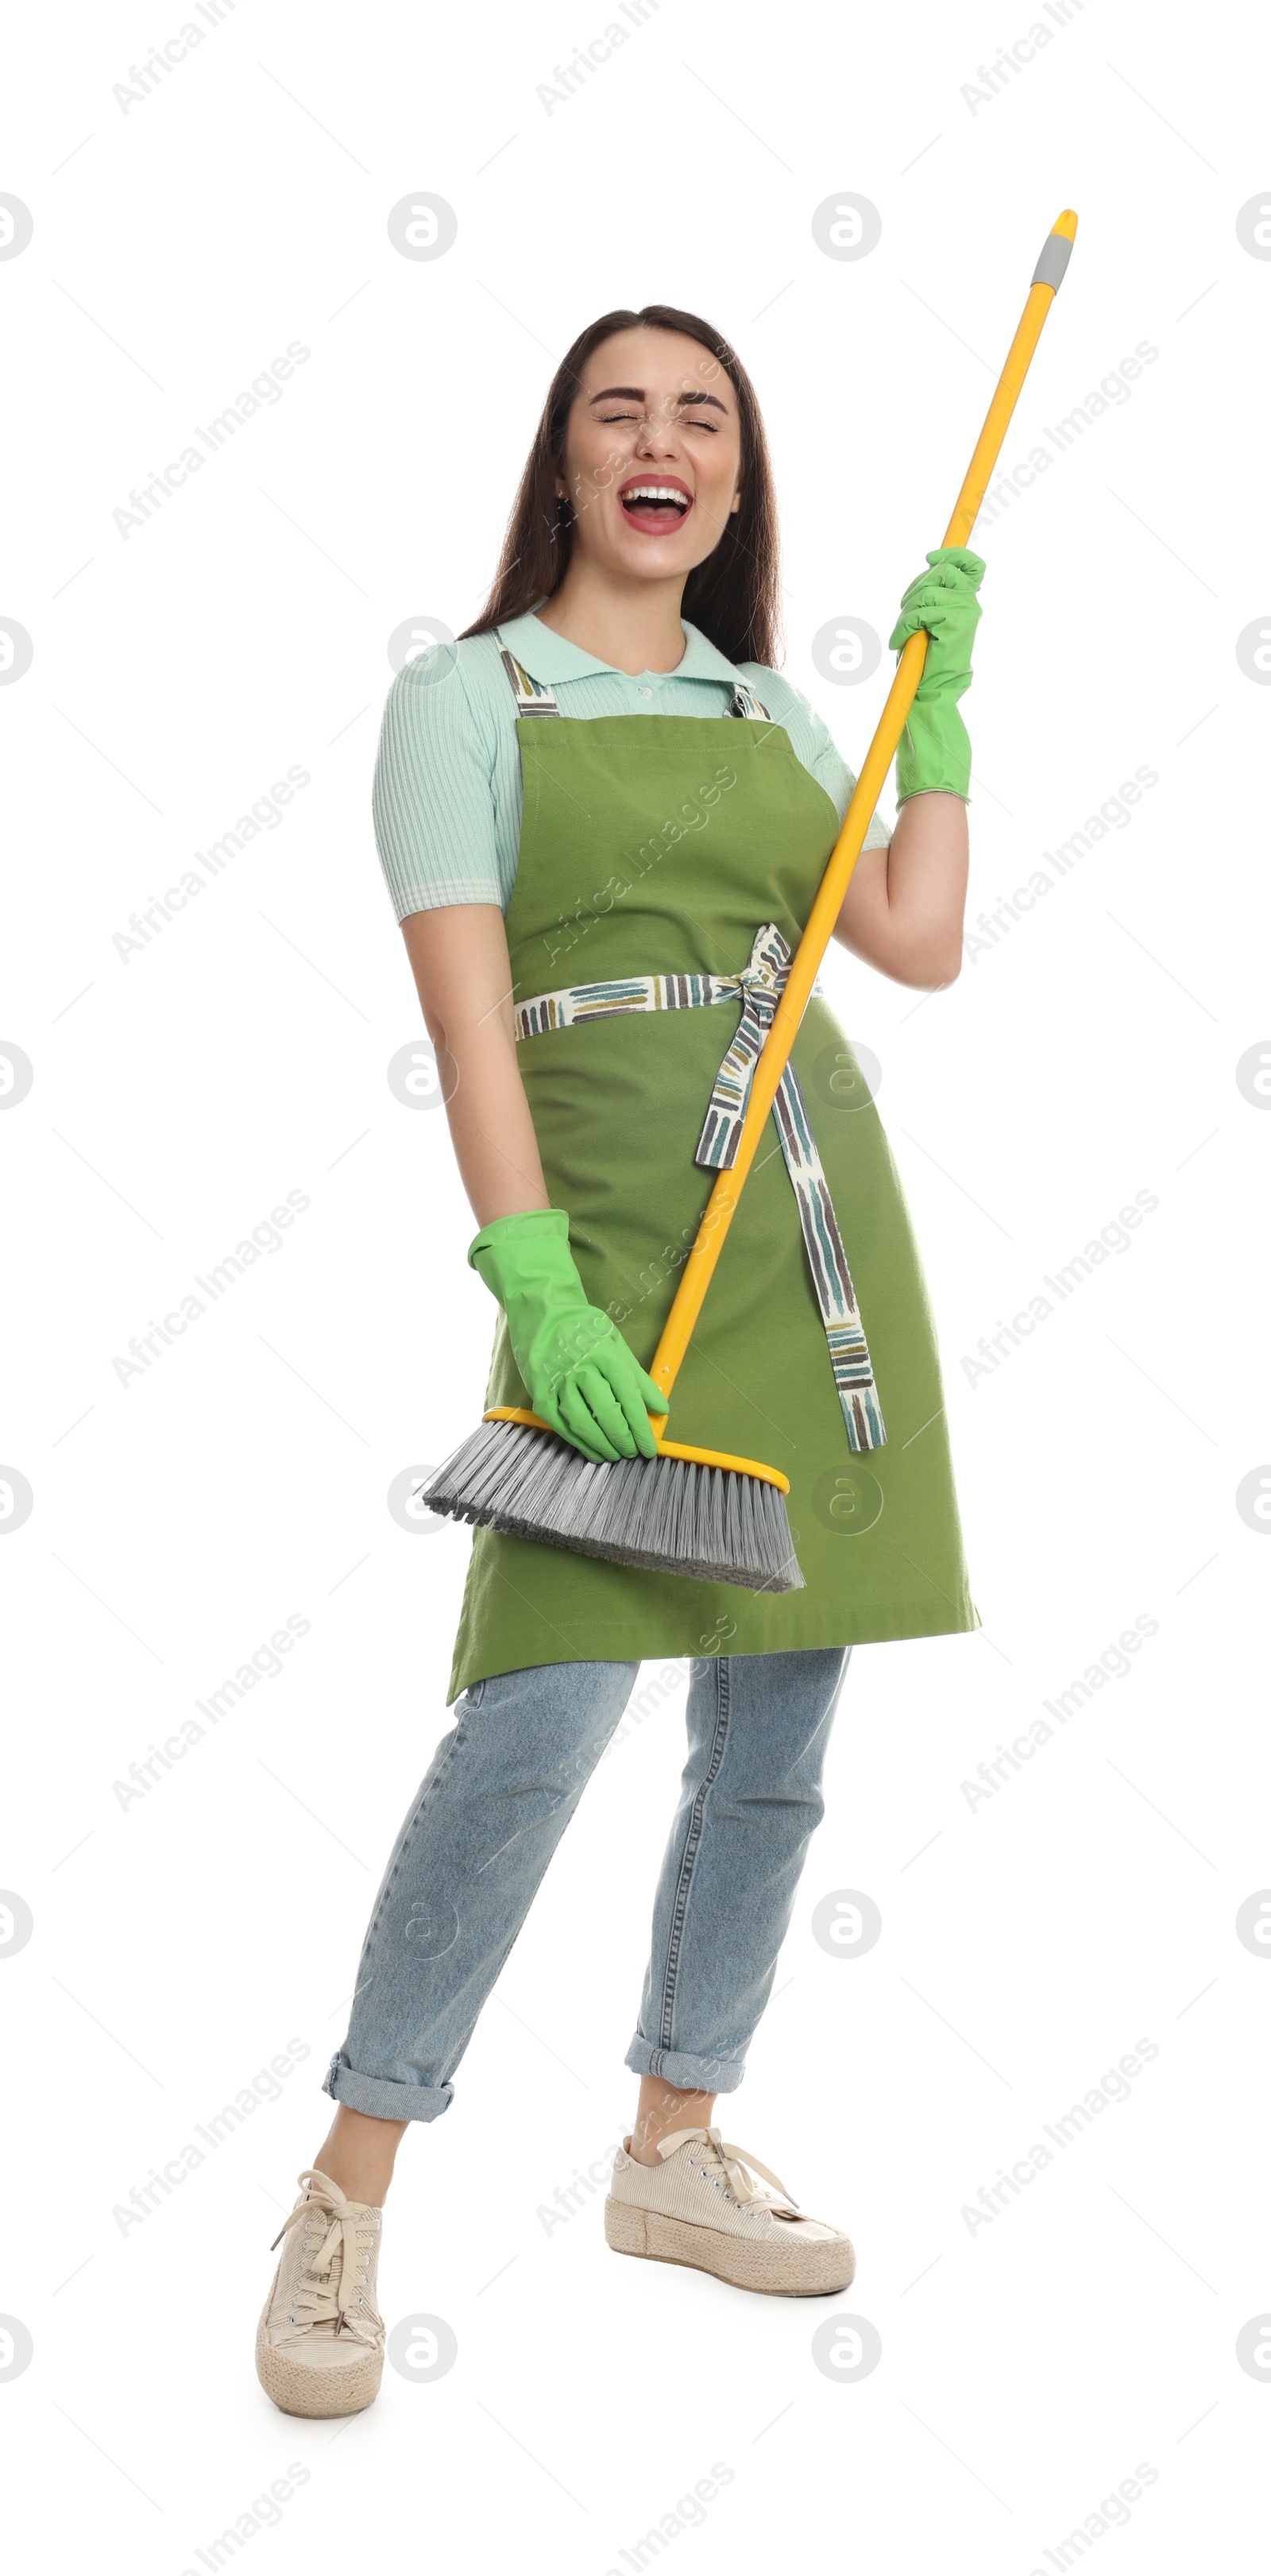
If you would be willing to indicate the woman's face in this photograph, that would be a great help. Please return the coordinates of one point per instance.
(652, 455)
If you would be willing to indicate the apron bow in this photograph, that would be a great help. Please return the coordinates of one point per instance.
(760, 985)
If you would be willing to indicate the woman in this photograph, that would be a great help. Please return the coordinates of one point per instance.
(558, 803)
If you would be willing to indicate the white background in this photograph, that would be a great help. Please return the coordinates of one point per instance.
(1028, 1942)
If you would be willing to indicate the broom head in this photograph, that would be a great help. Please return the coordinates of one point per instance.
(691, 1512)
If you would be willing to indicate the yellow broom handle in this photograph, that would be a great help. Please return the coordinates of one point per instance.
(722, 1203)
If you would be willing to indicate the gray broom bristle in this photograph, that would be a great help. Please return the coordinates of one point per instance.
(664, 1515)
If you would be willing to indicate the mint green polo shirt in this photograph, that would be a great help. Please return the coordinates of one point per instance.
(447, 793)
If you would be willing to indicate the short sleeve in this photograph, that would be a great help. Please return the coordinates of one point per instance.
(817, 749)
(432, 800)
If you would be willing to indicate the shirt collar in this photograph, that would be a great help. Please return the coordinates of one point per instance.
(550, 657)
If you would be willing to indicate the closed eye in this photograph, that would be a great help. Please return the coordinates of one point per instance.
(686, 420)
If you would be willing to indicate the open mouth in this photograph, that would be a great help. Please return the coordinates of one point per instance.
(657, 505)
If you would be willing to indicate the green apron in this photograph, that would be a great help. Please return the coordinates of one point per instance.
(657, 845)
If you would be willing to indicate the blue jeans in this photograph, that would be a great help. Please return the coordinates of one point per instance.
(498, 1795)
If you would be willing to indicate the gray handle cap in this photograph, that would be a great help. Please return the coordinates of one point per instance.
(1056, 253)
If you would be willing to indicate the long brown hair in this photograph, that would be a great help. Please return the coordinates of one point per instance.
(734, 595)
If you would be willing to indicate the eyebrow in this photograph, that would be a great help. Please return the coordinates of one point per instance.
(635, 393)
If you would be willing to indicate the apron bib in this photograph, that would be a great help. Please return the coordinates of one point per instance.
(657, 846)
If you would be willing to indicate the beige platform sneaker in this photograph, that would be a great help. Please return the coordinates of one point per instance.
(320, 2341)
(705, 2205)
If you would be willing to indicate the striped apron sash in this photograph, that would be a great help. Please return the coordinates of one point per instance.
(759, 987)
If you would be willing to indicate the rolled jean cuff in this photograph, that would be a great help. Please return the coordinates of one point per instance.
(383, 2099)
(689, 2074)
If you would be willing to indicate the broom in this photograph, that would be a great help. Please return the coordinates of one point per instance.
(696, 1511)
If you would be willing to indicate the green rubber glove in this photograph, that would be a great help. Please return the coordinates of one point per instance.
(934, 750)
(576, 1367)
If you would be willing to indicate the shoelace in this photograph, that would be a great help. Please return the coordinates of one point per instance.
(314, 2298)
(738, 2164)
